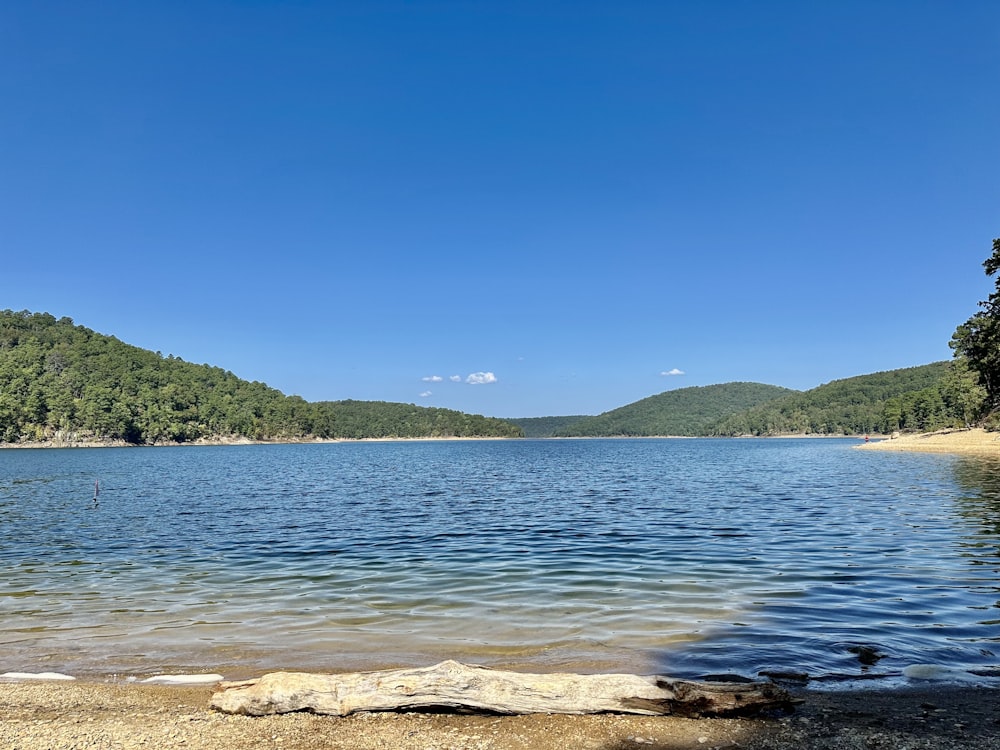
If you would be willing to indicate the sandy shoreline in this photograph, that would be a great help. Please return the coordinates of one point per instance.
(972, 442)
(102, 715)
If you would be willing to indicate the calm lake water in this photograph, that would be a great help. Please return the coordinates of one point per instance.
(683, 557)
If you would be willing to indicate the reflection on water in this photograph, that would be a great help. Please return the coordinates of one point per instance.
(979, 479)
(680, 556)
(979, 506)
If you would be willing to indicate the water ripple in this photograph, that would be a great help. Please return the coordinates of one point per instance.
(689, 556)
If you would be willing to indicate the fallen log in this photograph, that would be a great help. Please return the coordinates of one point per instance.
(462, 687)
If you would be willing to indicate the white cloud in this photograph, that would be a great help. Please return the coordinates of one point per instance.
(481, 378)
(675, 371)
(425, 394)
(432, 379)
(455, 378)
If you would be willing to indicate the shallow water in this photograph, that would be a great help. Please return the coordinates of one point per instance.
(677, 556)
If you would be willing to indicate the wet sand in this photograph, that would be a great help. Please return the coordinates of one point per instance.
(102, 716)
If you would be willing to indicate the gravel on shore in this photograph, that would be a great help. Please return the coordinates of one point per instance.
(113, 716)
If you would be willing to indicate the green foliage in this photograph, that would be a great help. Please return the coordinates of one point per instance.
(978, 339)
(962, 394)
(922, 398)
(542, 427)
(60, 379)
(686, 411)
(382, 419)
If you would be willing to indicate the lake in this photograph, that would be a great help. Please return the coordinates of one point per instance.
(673, 556)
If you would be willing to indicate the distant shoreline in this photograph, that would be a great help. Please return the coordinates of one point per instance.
(46, 444)
(973, 441)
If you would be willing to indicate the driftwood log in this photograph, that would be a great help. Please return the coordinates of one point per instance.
(462, 687)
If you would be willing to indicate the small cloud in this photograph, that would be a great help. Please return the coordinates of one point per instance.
(425, 394)
(432, 379)
(455, 378)
(481, 378)
(675, 371)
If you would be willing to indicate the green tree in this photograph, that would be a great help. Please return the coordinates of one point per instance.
(962, 394)
(978, 339)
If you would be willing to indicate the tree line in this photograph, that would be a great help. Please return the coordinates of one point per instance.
(58, 379)
(956, 394)
(61, 379)
(925, 398)
(976, 344)
(685, 411)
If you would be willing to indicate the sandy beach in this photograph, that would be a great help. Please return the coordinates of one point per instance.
(105, 716)
(975, 441)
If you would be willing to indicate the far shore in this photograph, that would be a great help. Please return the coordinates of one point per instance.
(235, 441)
(973, 442)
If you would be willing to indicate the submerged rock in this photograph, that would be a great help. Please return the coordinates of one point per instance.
(867, 654)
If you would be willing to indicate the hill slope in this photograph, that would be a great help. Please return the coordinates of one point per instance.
(686, 411)
(917, 398)
(540, 427)
(61, 379)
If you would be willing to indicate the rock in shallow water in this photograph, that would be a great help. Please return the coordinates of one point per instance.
(867, 654)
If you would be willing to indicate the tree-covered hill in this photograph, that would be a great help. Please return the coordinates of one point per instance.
(540, 427)
(922, 398)
(686, 411)
(384, 419)
(58, 379)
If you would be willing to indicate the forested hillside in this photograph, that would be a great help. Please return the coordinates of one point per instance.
(58, 379)
(538, 427)
(686, 411)
(922, 398)
(929, 397)
(62, 381)
(358, 420)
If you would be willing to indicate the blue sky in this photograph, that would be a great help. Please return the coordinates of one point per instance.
(508, 208)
